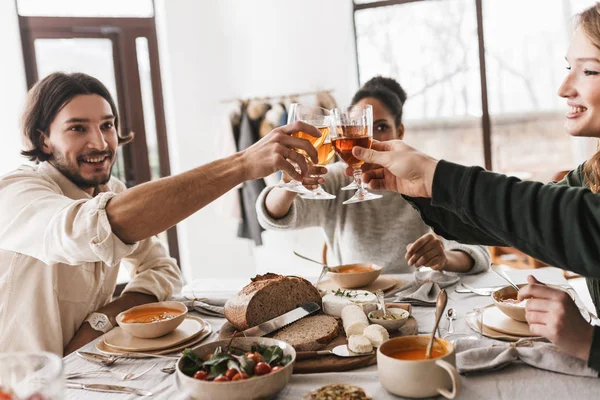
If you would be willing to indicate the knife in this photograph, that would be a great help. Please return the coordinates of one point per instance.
(341, 351)
(283, 320)
(108, 388)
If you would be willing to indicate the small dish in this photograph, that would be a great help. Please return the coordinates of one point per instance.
(398, 318)
(506, 301)
(352, 276)
(147, 322)
(502, 299)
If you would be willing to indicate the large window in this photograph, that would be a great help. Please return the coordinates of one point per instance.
(481, 77)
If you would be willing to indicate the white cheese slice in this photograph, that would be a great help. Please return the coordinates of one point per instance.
(376, 334)
(354, 320)
(334, 303)
(359, 344)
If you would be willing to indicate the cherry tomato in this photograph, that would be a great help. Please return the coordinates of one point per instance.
(244, 375)
(262, 368)
(230, 373)
(236, 377)
(221, 378)
(5, 396)
(277, 368)
(200, 375)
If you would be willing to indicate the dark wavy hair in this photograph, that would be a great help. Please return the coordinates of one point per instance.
(386, 90)
(47, 97)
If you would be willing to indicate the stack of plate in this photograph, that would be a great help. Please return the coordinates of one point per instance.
(497, 325)
(191, 332)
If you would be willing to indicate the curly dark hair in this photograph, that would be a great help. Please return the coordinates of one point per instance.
(47, 97)
(386, 90)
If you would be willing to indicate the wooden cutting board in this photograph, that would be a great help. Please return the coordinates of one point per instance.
(333, 363)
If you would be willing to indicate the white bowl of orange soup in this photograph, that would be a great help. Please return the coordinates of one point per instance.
(152, 320)
(404, 371)
(354, 276)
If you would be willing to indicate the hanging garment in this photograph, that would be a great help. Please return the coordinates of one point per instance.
(249, 227)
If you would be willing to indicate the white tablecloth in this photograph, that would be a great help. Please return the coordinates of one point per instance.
(515, 382)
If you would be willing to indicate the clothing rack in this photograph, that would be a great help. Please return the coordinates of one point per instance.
(225, 101)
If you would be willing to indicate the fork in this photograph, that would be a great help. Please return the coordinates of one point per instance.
(124, 377)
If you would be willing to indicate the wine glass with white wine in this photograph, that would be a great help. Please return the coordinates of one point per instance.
(354, 127)
(316, 116)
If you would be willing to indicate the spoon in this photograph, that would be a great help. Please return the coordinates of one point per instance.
(381, 300)
(324, 271)
(503, 275)
(330, 269)
(451, 315)
(440, 305)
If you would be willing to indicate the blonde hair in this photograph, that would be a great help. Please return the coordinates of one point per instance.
(589, 22)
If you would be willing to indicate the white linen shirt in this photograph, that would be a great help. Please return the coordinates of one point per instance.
(59, 259)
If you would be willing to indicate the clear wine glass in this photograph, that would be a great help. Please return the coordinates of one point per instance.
(31, 376)
(326, 154)
(299, 112)
(354, 127)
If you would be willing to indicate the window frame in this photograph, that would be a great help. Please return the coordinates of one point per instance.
(486, 126)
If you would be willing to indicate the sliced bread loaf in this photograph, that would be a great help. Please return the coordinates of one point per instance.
(268, 296)
(310, 333)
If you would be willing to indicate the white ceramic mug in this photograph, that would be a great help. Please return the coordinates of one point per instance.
(418, 378)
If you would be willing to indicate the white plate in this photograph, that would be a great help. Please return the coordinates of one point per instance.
(118, 339)
(495, 319)
(103, 348)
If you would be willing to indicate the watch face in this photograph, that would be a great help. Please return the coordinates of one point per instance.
(99, 322)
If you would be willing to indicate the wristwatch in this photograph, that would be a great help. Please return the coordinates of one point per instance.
(99, 322)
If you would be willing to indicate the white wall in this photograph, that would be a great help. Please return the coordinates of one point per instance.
(211, 50)
(13, 87)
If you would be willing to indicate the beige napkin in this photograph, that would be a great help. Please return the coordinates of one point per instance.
(488, 355)
(210, 304)
(425, 288)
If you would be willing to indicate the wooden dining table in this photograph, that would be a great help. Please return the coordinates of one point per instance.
(517, 381)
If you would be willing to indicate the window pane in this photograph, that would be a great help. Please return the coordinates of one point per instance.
(525, 66)
(143, 59)
(90, 56)
(79, 8)
(431, 48)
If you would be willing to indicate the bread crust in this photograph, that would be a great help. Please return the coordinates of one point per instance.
(267, 297)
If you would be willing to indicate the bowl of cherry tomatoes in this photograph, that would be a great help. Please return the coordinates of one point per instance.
(242, 368)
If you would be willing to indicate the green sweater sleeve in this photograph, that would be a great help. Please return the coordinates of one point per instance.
(557, 224)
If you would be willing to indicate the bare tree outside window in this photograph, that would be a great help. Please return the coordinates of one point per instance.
(431, 48)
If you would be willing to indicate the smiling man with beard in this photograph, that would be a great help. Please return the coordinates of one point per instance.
(66, 225)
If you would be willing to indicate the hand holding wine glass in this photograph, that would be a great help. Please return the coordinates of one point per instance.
(321, 119)
(278, 150)
(395, 166)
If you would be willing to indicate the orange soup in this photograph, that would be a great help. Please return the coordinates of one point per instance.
(150, 314)
(416, 354)
(353, 269)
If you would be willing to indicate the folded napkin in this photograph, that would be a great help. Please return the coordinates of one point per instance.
(425, 288)
(489, 355)
(210, 304)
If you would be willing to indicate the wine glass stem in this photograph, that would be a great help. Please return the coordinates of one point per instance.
(358, 179)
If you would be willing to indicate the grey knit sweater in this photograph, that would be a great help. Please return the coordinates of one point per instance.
(375, 231)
